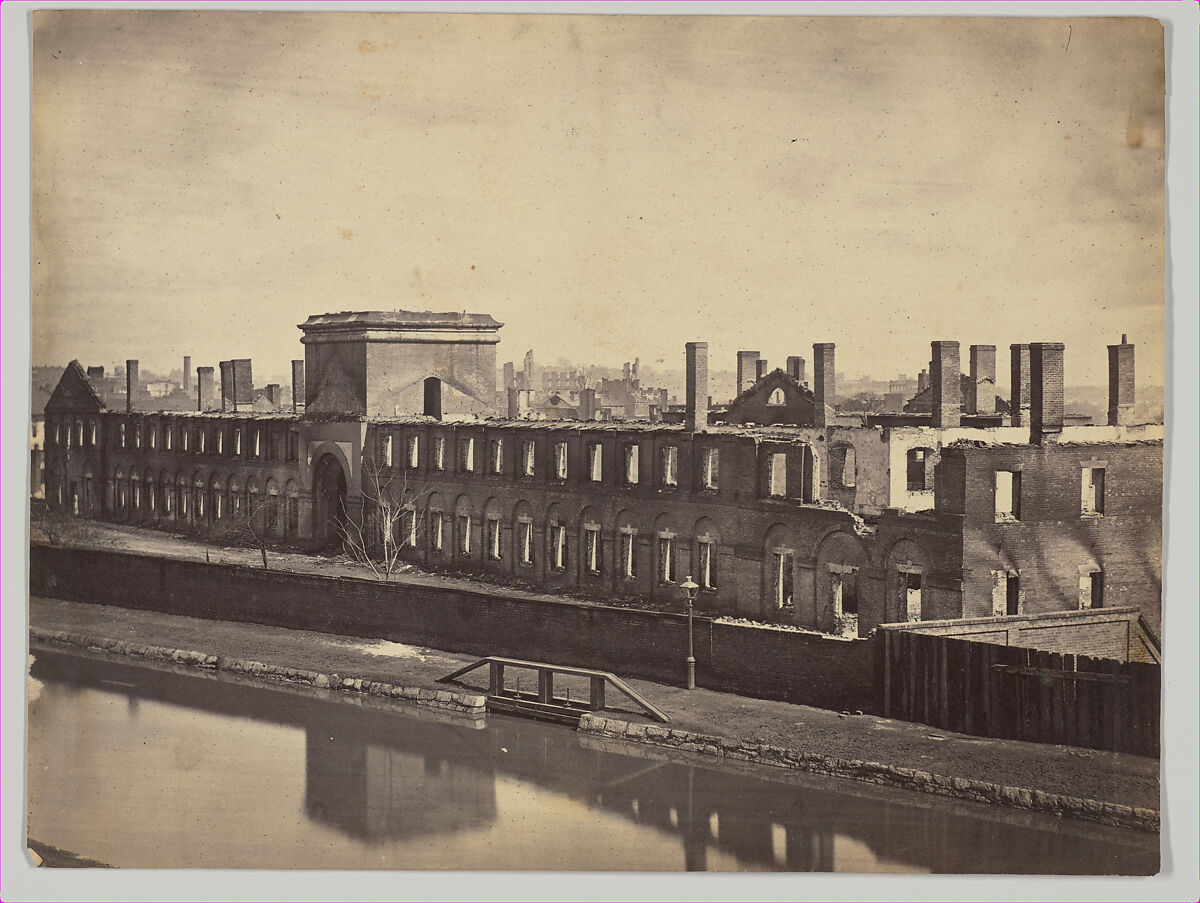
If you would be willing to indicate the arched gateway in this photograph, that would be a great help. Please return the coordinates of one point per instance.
(329, 500)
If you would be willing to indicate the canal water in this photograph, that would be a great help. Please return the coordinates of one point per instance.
(149, 767)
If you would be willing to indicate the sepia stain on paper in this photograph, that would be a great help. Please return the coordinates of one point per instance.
(618, 186)
(1133, 131)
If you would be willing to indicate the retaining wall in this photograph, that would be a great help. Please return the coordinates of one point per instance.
(769, 663)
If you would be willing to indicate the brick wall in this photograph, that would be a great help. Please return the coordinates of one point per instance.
(1112, 633)
(753, 405)
(775, 664)
(1053, 538)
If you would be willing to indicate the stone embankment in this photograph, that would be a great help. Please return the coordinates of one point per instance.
(874, 773)
(684, 742)
(467, 703)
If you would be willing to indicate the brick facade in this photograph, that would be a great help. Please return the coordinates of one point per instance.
(830, 526)
(1053, 544)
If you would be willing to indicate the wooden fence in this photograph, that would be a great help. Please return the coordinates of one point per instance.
(1022, 694)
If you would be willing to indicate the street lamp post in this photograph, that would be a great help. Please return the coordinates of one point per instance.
(689, 590)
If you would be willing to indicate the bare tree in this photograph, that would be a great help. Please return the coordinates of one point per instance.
(58, 528)
(864, 402)
(252, 525)
(389, 521)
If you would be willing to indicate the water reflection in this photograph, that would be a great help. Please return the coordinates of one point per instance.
(376, 792)
(423, 789)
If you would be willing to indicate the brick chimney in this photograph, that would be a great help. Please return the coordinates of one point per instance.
(981, 398)
(228, 400)
(922, 381)
(1120, 383)
(696, 355)
(747, 370)
(587, 404)
(795, 368)
(187, 373)
(297, 385)
(243, 380)
(274, 395)
(513, 401)
(204, 389)
(510, 375)
(625, 371)
(1019, 392)
(945, 383)
(132, 384)
(1045, 391)
(824, 383)
(760, 369)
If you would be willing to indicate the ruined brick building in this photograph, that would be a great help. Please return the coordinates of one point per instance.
(828, 525)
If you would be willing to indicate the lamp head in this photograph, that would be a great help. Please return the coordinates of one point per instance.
(689, 588)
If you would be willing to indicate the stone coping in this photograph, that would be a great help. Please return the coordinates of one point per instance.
(468, 703)
(874, 773)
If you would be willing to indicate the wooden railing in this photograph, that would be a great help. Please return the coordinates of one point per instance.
(545, 703)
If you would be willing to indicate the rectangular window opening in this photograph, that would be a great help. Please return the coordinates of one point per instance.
(558, 547)
(1093, 490)
(666, 559)
(525, 541)
(628, 555)
(918, 460)
(709, 468)
(591, 549)
(845, 593)
(782, 579)
(777, 485)
(706, 564)
(464, 534)
(910, 595)
(493, 538)
(1091, 589)
(1012, 594)
(408, 529)
(631, 464)
(560, 461)
(670, 466)
(437, 538)
(1008, 496)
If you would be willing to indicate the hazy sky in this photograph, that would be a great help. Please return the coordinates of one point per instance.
(605, 186)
